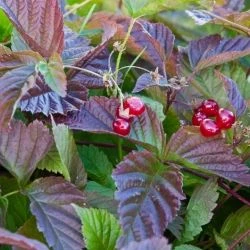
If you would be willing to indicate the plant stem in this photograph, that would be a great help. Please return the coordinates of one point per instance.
(134, 67)
(77, 6)
(87, 18)
(11, 193)
(83, 70)
(239, 240)
(119, 147)
(235, 25)
(118, 61)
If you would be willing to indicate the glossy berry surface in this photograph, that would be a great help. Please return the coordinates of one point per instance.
(197, 118)
(209, 128)
(121, 127)
(209, 107)
(135, 104)
(124, 114)
(225, 118)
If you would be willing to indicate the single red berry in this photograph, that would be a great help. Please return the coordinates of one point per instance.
(225, 118)
(135, 104)
(209, 107)
(209, 127)
(198, 118)
(121, 127)
(124, 114)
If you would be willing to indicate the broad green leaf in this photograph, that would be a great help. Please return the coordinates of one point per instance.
(5, 27)
(186, 247)
(14, 239)
(51, 203)
(3, 210)
(52, 163)
(99, 228)
(149, 195)
(236, 224)
(22, 147)
(188, 148)
(40, 24)
(199, 209)
(29, 229)
(97, 165)
(154, 243)
(72, 164)
(13, 85)
(53, 73)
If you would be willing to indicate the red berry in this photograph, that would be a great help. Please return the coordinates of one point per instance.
(124, 114)
(209, 128)
(209, 107)
(121, 127)
(198, 118)
(135, 104)
(225, 118)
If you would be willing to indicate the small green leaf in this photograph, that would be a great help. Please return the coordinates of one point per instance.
(73, 167)
(186, 247)
(53, 73)
(220, 241)
(97, 165)
(199, 209)
(99, 228)
(236, 224)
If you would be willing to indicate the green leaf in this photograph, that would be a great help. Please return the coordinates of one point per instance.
(53, 73)
(5, 27)
(236, 224)
(52, 163)
(199, 209)
(186, 247)
(220, 241)
(73, 168)
(99, 228)
(97, 165)
(3, 211)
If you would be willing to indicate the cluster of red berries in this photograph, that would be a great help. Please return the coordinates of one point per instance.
(223, 118)
(132, 106)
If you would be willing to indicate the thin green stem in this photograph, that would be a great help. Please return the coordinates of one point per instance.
(87, 17)
(11, 193)
(83, 70)
(77, 6)
(134, 67)
(119, 147)
(118, 61)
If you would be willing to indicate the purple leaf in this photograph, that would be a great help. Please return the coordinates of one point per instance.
(211, 154)
(40, 23)
(13, 85)
(149, 195)
(146, 80)
(75, 47)
(98, 114)
(51, 200)
(214, 50)
(14, 239)
(154, 243)
(41, 99)
(21, 148)
(233, 93)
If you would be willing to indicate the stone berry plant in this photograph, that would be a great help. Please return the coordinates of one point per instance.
(126, 129)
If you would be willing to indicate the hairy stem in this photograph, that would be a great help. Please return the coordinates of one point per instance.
(83, 70)
(239, 240)
(11, 193)
(77, 6)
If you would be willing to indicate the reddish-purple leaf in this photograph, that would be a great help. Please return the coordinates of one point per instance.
(51, 200)
(147, 80)
(211, 154)
(39, 22)
(13, 85)
(98, 114)
(154, 243)
(18, 240)
(75, 47)
(155, 38)
(214, 50)
(233, 93)
(41, 99)
(149, 195)
(21, 148)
